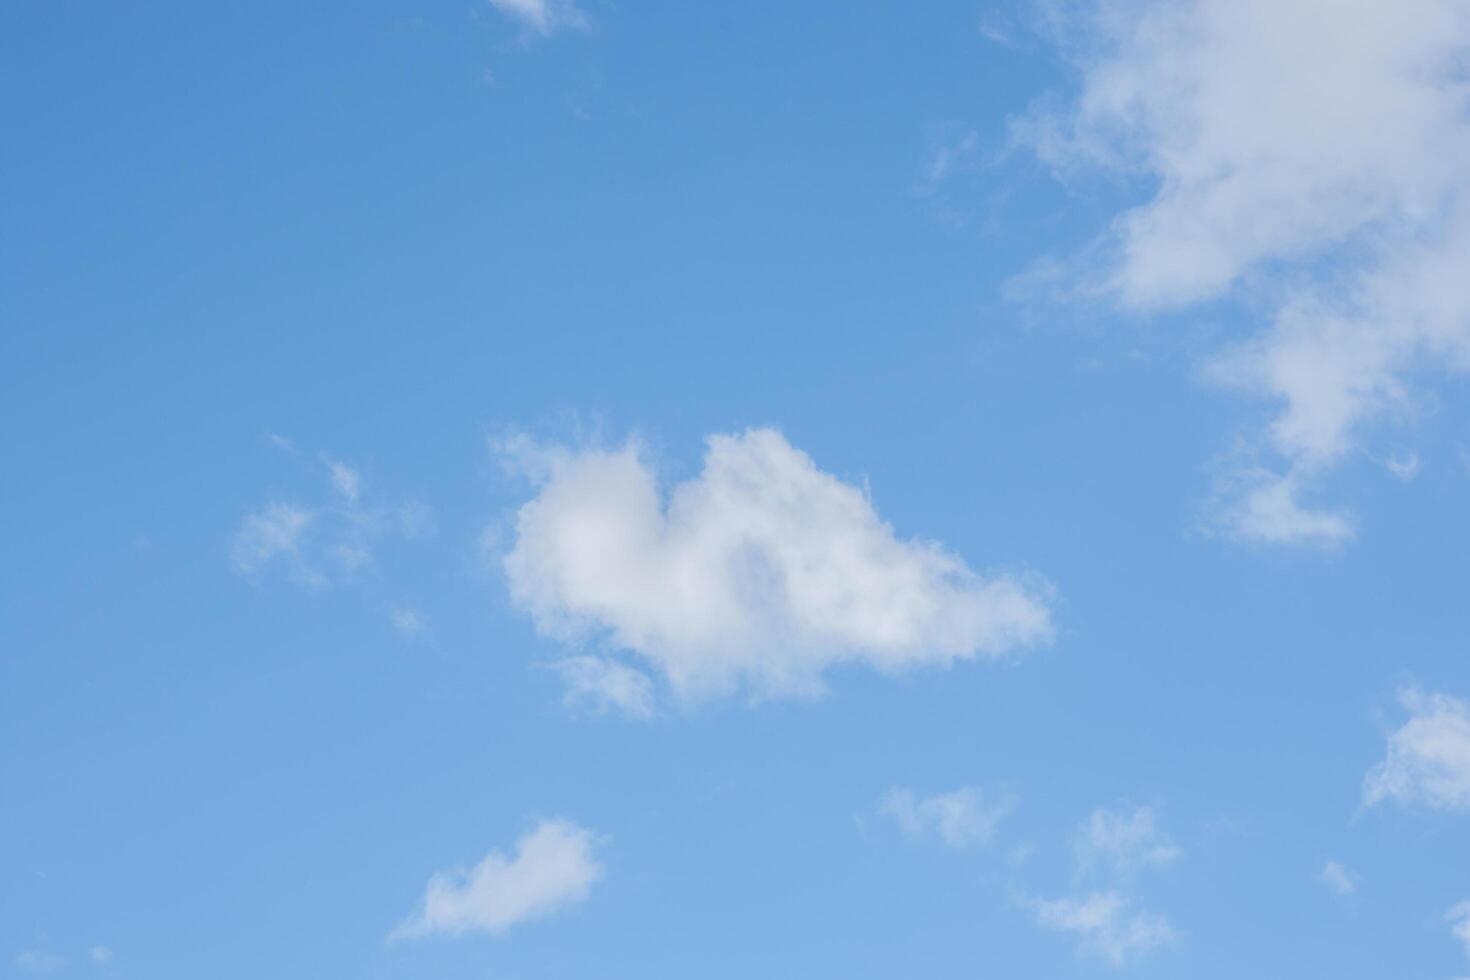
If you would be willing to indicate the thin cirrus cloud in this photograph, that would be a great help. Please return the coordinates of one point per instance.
(966, 817)
(1428, 758)
(761, 573)
(1310, 158)
(554, 866)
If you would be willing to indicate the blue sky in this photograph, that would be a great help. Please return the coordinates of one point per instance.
(567, 489)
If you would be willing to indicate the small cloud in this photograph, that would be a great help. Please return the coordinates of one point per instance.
(1338, 878)
(553, 867)
(760, 573)
(1459, 920)
(1428, 760)
(263, 535)
(1106, 926)
(966, 817)
(1125, 842)
(39, 961)
(1405, 467)
(345, 480)
(544, 17)
(603, 685)
(280, 442)
(101, 955)
(410, 623)
(1261, 507)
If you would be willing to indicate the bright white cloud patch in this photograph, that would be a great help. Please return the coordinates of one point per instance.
(544, 17)
(1106, 926)
(966, 817)
(762, 570)
(1125, 842)
(553, 867)
(1338, 878)
(1311, 157)
(1428, 760)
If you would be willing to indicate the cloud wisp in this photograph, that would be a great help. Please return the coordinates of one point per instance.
(1112, 846)
(1308, 158)
(760, 573)
(544, 17)
(553, 867)
(963, 818)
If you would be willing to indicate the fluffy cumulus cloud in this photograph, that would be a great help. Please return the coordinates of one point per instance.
(544, 17)
(1310, 157)
(1106, 925)
(553, 866)
(966, 817)
(761, 571)
(1428, 760)
(1124, 841)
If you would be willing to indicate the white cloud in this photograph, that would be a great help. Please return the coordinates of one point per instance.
(762, 571)
(553, 867)
(275, 530)
(39, 961)
(965, 817)
(1338, 878)
(1311, 157)
(1428, 760)
(1106, 926)
(1113, 846)
(601, 685)
(1123, 842)
(544, 17)
(1459, 920)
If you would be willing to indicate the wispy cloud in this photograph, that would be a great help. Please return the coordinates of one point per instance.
(1112, 846)
(544, 17)
(1338, 878)
(966, 817)
(329, 540)
(553, 867)
(1459, 920)
(601, 685)
(1124, 841)
(39, 961)
(762, 571)
(1106, 926)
